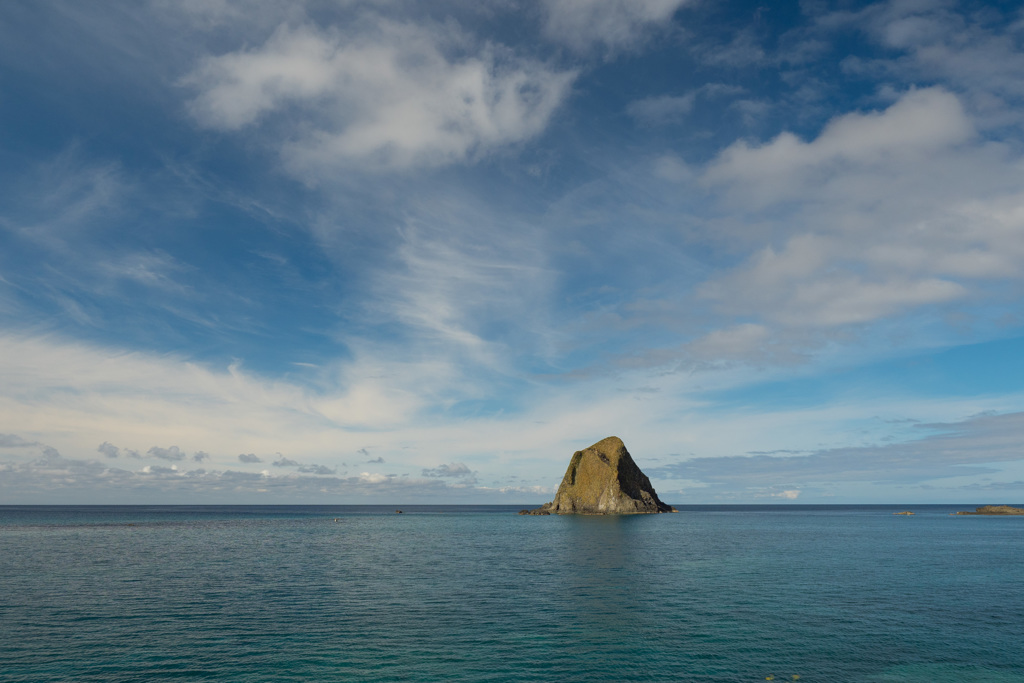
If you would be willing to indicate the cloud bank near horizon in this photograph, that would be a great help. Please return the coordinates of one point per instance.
(971, 453)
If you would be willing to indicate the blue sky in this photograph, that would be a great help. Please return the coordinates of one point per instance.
(345, 252)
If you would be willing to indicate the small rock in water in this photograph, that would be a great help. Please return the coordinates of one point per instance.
(995, 510)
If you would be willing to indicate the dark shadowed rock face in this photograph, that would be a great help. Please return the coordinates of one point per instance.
(603, 480)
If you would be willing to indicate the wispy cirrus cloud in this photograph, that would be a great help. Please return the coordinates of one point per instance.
(611, 25)
(664, 109)
(450, 278)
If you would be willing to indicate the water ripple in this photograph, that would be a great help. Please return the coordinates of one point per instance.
(230, 595)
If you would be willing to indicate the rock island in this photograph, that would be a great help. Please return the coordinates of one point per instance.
(603, 480)
(995, 510)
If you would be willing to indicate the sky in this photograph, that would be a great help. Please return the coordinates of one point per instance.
(347, 252)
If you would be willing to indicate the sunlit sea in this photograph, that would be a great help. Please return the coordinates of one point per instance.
(360, 593)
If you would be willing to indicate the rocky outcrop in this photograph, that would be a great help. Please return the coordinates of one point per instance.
(995, 510)
(603, 480)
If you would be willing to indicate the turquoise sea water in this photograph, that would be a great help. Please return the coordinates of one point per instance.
(842, 593)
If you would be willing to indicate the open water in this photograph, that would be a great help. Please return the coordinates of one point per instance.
(716, 594)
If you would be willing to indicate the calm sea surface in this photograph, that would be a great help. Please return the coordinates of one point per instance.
(842, 593)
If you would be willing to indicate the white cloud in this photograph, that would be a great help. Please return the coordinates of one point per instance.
(317, 469)
(804, 285)
(301, 467)
(882, 213)
(373, 395)
(134, 398)
(739, 341)
(236, 88)
(455, 469)
(172, 453)
(72, 394)
(393, 95)
(919, 124)
(157, 469)
(749, 343)
(49, 476)
(673, 169)
(971, 52)
(73, 397)
(612, 24)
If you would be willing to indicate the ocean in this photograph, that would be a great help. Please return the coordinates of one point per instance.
(478, 593)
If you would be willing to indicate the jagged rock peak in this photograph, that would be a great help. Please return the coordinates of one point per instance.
(603, 480)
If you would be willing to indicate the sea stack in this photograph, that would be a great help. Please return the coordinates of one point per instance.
(603, 480)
